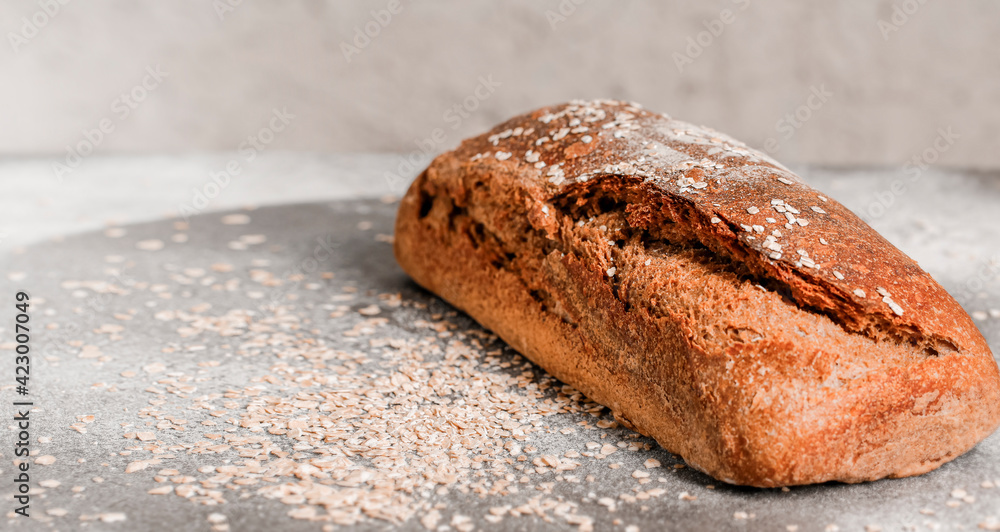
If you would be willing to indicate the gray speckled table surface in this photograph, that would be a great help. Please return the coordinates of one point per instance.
(134, 327)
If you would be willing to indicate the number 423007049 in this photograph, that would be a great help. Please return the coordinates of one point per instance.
(21, 330)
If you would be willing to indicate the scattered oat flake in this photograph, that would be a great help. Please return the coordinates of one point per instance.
(462, 522)
(303, 512)
(49, 483)
(991, 523)
(47, 459)
(235, 219)
(155, 367)
(138, 465)
(112, 517)
(430, 519)
(149, 245)
(252, 240)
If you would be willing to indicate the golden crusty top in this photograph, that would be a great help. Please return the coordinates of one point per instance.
(745, 203)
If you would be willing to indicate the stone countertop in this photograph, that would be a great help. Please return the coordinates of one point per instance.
(184, 342)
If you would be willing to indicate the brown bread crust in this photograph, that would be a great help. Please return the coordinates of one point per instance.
(704, 293)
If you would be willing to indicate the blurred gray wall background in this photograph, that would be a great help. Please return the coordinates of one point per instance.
(872, 82)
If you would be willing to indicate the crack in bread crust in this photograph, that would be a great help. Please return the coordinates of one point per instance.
(643, 221)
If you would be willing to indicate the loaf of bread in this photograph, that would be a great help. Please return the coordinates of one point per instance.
(703, 293)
